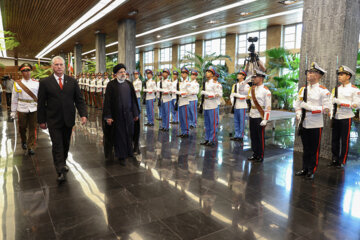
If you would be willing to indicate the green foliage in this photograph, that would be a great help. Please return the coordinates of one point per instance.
(357, 78)
(10, 40)
(283, 87)
(41, 72)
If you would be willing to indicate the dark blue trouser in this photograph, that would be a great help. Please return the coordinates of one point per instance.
(183, 115)
(165, 114)
(150, 110)
(174, 113)
(239, 122)
(210, 125)
(193, 113)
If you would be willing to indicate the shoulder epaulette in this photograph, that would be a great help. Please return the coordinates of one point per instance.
(354, 86)
(322, 86)
(35, 80)
(266, 87)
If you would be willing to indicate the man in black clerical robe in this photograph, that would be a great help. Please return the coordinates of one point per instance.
(122, 111)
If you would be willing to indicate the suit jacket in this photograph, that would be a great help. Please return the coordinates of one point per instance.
(56, 107)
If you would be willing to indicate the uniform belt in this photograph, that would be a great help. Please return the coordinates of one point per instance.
(26, 100)
(254, 107)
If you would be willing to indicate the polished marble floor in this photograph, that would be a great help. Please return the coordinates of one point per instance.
(180, 190)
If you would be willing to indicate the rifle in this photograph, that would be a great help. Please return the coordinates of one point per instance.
(202, 98)
(144, 95)
(159, 100)
(335, 106)
(233, 107)
(303, 111)
(177, 95)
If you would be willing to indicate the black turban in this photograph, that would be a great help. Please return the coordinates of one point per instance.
(118, 67)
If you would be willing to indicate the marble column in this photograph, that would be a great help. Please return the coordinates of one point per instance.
(100, 52)
(230, 50)
(156, 60)
(77, 59)
(330, 30)
(127, 43)
(175, 56)
(199, 47)
(273, 36)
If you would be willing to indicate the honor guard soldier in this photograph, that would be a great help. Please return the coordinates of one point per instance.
(345, 98)
(92, 89)
(183, 103)
(138, 86)
(24, 103)
(98, 92)
(158, 94)
(260, 97)
(174, 111)
(317, 103)
(105, 82)
(218, 96)
(87, 88)
(165, 99)
(150, 97)
(238, 97)
(81, 82)
(193, 99)
(209, 105)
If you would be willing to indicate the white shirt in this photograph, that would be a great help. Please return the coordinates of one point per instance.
(219, 92)
(263, 96)
(99, 84)
(211, 90)
(87, 84)
(57, 79)
(150, 89)
(242, 91)
(184, 92)
(349, 95)
(20, 100)
(92, 85)
(105, 83)
(137, 85)
(166, 90)
(194, 90)
(174, 84)
(318, 97)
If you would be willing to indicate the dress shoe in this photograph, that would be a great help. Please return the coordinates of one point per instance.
(191, 127)
(240, 140)
(252, 158)
(161, 129)
(180, 135)
(122, 162)
(24, 146)
(310, 176)
(302, 172)
(210, 144)
(204, 143)
(66, 168)
(31, 152)
(61, 177)
(259, 160)
(233, 138)
(332, 164)
(185, 136)
(340, 166)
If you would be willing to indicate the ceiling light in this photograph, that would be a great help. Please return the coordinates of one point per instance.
(74, 30)
(111, 53)
(226, 26)
(217, 10)
(132, 13)
(2, 38)
(194, 27)
(212, 21)
(288, 2)
(158, 36)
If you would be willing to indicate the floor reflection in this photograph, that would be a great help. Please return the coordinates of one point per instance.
(180, 189)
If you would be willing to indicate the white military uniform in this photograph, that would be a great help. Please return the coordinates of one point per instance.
(150, 89)
(348, 98)
(92, 85)
(137, 85)
(99, 85)
(105, 83)
(242, 91)
(184, 92)
(21, 101)
(263, 96)
(194, 90)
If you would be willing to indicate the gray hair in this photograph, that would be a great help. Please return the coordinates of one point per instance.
(57, 58)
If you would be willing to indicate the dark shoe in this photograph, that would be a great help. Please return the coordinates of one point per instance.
(31, 152)
(185, 136)
(204, 143)
(252, 158)
(259, 160)
(240, 140)
(333, 163)
(161, 129)
(340, 166)
(122, 162)
(310, 176)
(233, 139)
(61, 177)
(302, 172)
(210, 144)
(191, 127)
(180, 135)
(24, 146)
(66, 168)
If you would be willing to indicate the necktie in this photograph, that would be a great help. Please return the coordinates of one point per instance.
(60, 84)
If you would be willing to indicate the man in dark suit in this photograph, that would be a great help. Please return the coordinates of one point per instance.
(58, 96)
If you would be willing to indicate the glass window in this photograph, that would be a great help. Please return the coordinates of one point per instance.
(165, 55)
(292, 36)
(216, 46)
(137, 57)
(149, 60)
(185, 50)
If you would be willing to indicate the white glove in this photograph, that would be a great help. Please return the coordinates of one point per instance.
(263, 123)
(298, 115)
(337, 101)
(12, 115)
(203, 93)
(306, 106)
